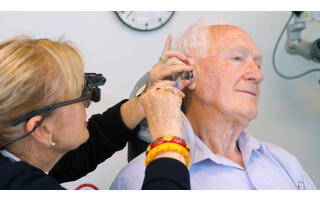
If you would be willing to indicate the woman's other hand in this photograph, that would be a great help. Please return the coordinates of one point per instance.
(171, 62)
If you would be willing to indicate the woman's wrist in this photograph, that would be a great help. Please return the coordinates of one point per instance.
(171, 154)
(132, 113)
(158, 133)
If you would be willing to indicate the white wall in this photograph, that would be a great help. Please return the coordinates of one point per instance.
(289, 111)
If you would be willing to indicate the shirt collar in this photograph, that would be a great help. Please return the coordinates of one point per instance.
(247, 144)
(9, 155)
(199, 151)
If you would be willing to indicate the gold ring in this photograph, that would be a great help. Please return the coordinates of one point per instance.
(161, 87)
(170, 90)
(164, 61)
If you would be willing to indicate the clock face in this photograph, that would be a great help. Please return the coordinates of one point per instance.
(143, 20)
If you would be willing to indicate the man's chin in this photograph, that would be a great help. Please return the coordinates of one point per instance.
(251, 115)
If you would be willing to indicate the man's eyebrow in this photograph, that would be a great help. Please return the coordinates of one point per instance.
(238, 48)
(258, 57)
(245, 49)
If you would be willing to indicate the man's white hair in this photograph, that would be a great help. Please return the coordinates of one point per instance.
(193, 40)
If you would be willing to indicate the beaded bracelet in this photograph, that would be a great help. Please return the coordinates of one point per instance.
(164, 147)
(167, 139)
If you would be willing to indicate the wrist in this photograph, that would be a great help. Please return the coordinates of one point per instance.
(173, 155)
(164, 131)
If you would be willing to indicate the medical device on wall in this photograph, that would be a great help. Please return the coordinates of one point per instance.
(295, 45)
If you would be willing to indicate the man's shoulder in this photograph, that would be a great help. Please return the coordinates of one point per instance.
(131, 176)
(277, 151)
(282, 156)
(270, 149)
(289, 163)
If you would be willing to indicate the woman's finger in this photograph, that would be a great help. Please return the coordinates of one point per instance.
(167, 46)
(173, 69)
(164, 83)
(182, 83)
(174, 61)
(175, 53)
(168, 53)
(177, 91)
(171, 84)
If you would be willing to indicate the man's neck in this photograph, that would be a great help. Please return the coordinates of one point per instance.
(217, 131)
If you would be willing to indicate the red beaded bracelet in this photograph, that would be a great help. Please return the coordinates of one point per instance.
(166, 139)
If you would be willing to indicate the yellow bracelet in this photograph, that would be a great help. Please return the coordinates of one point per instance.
(167, 147)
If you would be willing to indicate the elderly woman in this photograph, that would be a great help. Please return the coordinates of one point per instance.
(44, 136)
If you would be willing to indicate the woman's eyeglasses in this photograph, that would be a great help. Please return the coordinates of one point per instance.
(85, 97)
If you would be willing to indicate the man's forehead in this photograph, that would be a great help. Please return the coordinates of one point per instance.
(231, 38)
(221, 32)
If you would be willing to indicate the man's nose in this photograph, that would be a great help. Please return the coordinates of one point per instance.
(253, 72)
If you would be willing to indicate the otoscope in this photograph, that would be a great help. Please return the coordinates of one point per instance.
(187, 75)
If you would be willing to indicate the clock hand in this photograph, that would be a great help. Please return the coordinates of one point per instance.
(129, 14)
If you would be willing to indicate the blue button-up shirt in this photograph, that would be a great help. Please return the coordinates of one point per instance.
(266, 167)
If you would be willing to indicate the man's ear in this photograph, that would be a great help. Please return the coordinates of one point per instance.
(193, 84)
(43, 133)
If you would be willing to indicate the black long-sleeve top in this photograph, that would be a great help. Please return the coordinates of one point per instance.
(108, 134)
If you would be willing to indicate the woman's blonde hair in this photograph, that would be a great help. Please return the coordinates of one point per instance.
(35, 74)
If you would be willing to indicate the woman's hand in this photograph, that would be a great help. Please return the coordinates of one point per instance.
(162, 108)
(162, 105)
(171, 62)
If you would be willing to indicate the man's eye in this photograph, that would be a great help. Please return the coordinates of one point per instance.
(236, 58)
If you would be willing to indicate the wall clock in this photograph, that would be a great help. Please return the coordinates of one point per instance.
(144, 20)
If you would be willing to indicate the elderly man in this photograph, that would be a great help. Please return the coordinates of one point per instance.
(220, 103)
